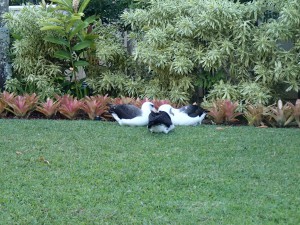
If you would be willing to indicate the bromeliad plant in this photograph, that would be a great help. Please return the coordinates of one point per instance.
(279, 115)
(72, 33)
(295, 111)
(254, 114)
(69, 106)
(95, 106)
(2, 106)
(20, 106)
(48, 108)
(224, 111)
(3, 103)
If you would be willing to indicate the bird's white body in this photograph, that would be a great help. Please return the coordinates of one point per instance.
(139, 116)
(183, 119)
(180, 117)
(136, 121)
(161, 129)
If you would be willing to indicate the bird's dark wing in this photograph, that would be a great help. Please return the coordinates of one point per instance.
(125, 111)
(192, 110)
(158, 118)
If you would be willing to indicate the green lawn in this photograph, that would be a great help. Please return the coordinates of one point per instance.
(91, 172)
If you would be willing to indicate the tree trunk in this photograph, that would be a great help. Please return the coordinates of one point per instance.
(4, 45)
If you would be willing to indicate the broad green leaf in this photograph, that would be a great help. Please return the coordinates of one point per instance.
(81, 63)
(77, 29)
(51, 28)
(55, 40)
(90, 19)
(61, 54)
(81, 45)
(83, 6)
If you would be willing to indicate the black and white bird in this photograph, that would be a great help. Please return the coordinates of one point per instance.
(160, 122)
(190, 115)
(131, 115)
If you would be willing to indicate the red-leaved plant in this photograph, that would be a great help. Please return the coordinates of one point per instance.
(48, 108)
(230, 109)
(20, 106)
(69, 106)
(7, 97)
(223, 110)
(216, 111)
(95, 106)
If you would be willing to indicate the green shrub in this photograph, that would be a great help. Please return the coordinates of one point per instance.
(180, 38)
(33, 69)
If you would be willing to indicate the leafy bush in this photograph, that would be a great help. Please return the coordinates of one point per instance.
(33, 71)
(245, 93)
(183, 38)
(73, 34)
(254, 93)
(116, 73)
(223, 90)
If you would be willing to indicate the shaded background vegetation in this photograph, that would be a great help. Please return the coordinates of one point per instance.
(167, 53)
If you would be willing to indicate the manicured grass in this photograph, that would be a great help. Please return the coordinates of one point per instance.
(91, 172)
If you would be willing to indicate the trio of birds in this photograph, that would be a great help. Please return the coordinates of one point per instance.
(162, 120)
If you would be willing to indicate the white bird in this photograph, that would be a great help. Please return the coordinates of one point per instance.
(190, 115)
(160, 122)
(131, 115)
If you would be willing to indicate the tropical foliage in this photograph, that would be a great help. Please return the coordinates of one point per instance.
(48, 108)
(231, 49)
(254, 114)
(95, 106)
(224, 111)
(221, 111)
(279, 114)
(33, 69)
(183, 39)
(20, 105)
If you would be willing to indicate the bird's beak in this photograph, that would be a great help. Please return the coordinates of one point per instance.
(154, 109)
